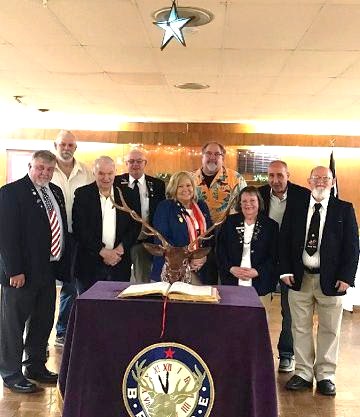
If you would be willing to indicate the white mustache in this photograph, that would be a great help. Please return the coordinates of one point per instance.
(211, 166)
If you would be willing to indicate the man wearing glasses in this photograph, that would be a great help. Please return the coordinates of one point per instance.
(319, 252)
(214, 184)
(143, 193)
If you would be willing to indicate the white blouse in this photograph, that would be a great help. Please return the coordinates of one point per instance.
(246, 255)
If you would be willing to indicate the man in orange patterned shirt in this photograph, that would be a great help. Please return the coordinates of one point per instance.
(214, 185)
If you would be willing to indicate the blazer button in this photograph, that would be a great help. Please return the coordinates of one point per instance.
(252, 251)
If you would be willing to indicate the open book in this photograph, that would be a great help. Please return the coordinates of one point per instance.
(176, 291)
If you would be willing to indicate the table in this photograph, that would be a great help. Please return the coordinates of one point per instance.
(105, 333)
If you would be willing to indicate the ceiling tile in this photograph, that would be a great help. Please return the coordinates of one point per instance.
(267, 26)
(336, 28)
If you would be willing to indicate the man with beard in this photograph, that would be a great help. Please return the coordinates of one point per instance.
(214, 185)
(69, 174)
(319, 253)
(280, 197)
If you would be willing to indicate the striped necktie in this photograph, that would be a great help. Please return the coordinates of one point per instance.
(54, 223)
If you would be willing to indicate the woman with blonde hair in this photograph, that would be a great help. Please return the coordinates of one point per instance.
(180, 219)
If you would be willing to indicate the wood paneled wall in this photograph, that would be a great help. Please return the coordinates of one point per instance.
(174, 146)
(191, 134)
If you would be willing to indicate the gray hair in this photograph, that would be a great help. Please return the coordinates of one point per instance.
(103, 159)
(63, 134)
(222, 148)
(47, 156)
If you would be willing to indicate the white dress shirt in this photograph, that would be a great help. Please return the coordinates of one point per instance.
(246, 253)
(80, 175)
(314, 261)
(59, 218)
(108, 220)
(144, 201)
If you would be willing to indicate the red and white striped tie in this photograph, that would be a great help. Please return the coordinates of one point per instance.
(54, 224)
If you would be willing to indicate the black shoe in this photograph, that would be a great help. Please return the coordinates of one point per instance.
(44, 376)
(286, 364)
(326, 387)
(22, 387)
(296, 383)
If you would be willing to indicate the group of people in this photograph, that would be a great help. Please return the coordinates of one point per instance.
(59, 222)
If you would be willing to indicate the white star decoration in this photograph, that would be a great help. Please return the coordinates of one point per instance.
(173, 26)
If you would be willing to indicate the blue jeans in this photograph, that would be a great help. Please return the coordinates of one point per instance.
(68, 294)
(285, 344)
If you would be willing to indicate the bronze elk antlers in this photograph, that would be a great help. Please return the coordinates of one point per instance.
(177, 259)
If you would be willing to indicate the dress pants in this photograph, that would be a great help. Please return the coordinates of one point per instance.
(209, 272)
(103, 272)
(30, 309)
(322, 362)
(141, 260)
(285, 344)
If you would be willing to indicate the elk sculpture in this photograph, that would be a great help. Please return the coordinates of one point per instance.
(164, 403)
(177, 259)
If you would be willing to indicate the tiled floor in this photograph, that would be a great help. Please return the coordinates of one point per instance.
(302, 404)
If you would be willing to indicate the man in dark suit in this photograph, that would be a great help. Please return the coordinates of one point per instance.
(280, 197)
(33, 231)
(143, 193)
(319, 253)
(104, 234)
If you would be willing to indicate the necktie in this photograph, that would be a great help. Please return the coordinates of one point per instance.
(54, 223)
(137, 201)
(312, 240)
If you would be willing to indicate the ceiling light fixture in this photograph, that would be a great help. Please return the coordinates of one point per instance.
(192, 86)
(200, 17)
(173, 26)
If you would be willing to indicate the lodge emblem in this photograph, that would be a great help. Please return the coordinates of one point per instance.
(168, 380)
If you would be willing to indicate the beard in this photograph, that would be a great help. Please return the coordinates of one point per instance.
(320, 193)
(67, 155)
(212, 167)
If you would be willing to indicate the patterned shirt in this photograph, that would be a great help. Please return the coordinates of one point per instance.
(217, 195)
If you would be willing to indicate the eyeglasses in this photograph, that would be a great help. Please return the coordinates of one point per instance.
(320, 179)
(210, 154)
(135, 161)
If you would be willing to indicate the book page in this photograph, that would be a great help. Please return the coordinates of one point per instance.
(144, 289)
(184, 288)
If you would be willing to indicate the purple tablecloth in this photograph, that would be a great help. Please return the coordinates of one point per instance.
(105, 333)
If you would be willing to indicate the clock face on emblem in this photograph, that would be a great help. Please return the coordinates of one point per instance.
(170, 380)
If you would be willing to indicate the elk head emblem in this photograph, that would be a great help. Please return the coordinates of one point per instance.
(177, 259)
(164, 403)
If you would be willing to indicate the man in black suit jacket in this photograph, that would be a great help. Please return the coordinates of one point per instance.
(151, 192)
(280, 198)
(32, 255)
(104, 234)
(318, 261)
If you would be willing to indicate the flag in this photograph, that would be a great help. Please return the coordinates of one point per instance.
(335, 189)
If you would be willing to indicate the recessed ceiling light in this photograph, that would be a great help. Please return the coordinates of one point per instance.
(199, 16)
(192, 86)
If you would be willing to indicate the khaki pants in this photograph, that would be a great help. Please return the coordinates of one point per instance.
(321, 362)
(142, 261)
(266, 301)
